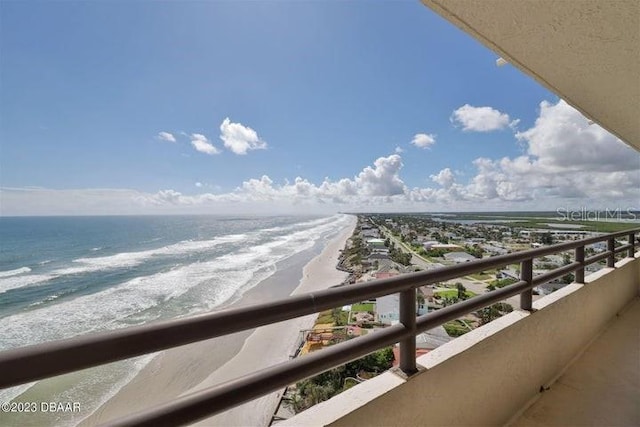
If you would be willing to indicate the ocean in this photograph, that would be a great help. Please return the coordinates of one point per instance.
(66, 276)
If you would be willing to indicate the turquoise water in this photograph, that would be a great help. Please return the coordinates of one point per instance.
(65, 276)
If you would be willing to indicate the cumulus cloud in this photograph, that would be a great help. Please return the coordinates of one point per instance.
(480, 119)
(166, 136)
(240, 139)
(563, 139)
(202, 144)
(398, 150)
(423, 140)
(566, 159)
(383, 178)
(199, 184)
(566, 162)
(445, 178)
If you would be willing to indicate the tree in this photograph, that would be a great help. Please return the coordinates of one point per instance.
(492, 312)
(488, 314)
(338, 318)
(462, 291)
(546, 239)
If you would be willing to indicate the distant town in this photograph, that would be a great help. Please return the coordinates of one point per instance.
(388, 245)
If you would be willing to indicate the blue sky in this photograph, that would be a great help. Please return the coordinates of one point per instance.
(93, 95)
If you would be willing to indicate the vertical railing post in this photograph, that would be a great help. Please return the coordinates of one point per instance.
(580, 259)
(632, 241)
(611, 247)
(526, 274)
(408, 319)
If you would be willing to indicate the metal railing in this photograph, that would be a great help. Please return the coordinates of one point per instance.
(26, 364)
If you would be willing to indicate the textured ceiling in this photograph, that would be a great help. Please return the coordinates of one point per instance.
(586, 51)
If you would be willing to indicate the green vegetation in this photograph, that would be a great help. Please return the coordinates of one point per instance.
(501, 283)
(455, 328)
(355, 251)
(363, 307)
(484, 275)
(336, 316)
(326, 385)
(437, 253)
(398, 256)
(492, 312)
(452, 293)
(474, 250)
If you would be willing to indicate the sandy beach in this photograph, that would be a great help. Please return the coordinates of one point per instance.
(196, 366)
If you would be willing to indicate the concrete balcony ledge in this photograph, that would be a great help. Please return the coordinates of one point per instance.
(494, 374)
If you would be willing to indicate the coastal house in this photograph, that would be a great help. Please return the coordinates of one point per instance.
(386, 271)
(429, 244)
(376, 244)
(425, 342)
(387, 309)
(370, 233)
(493, 249)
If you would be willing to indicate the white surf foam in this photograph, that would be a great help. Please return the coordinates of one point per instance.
(15, 272)
(120, 260)
(16, 282)
(131, 259)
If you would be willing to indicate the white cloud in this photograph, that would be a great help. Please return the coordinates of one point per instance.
(199, 184)
(423, 140)
(399, 150)
(481, 119)
(382, 179)
(202, 144)
(566, 162)
(563, 139)
(444, 177)
(240, 139)
(166, 136)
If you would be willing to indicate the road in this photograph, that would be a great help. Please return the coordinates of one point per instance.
(476, 286)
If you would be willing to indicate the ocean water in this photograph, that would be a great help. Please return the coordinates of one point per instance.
(65, 276)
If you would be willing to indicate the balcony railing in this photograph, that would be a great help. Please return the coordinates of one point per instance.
(26, 364)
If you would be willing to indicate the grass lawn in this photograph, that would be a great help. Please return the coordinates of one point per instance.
(368, 306)
(455, 328)
(484, 275)
(327, 316)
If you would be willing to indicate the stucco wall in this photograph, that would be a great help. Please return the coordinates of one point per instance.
(489, 375)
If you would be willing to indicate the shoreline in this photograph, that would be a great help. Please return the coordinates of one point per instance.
(183, 370)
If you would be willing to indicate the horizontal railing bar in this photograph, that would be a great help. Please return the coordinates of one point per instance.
(595, 258)
(21, 365)
(210, 401)
(554, 274)
(623, 248)
(455, 311)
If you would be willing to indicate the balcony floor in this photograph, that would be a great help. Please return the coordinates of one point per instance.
(601, 388)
